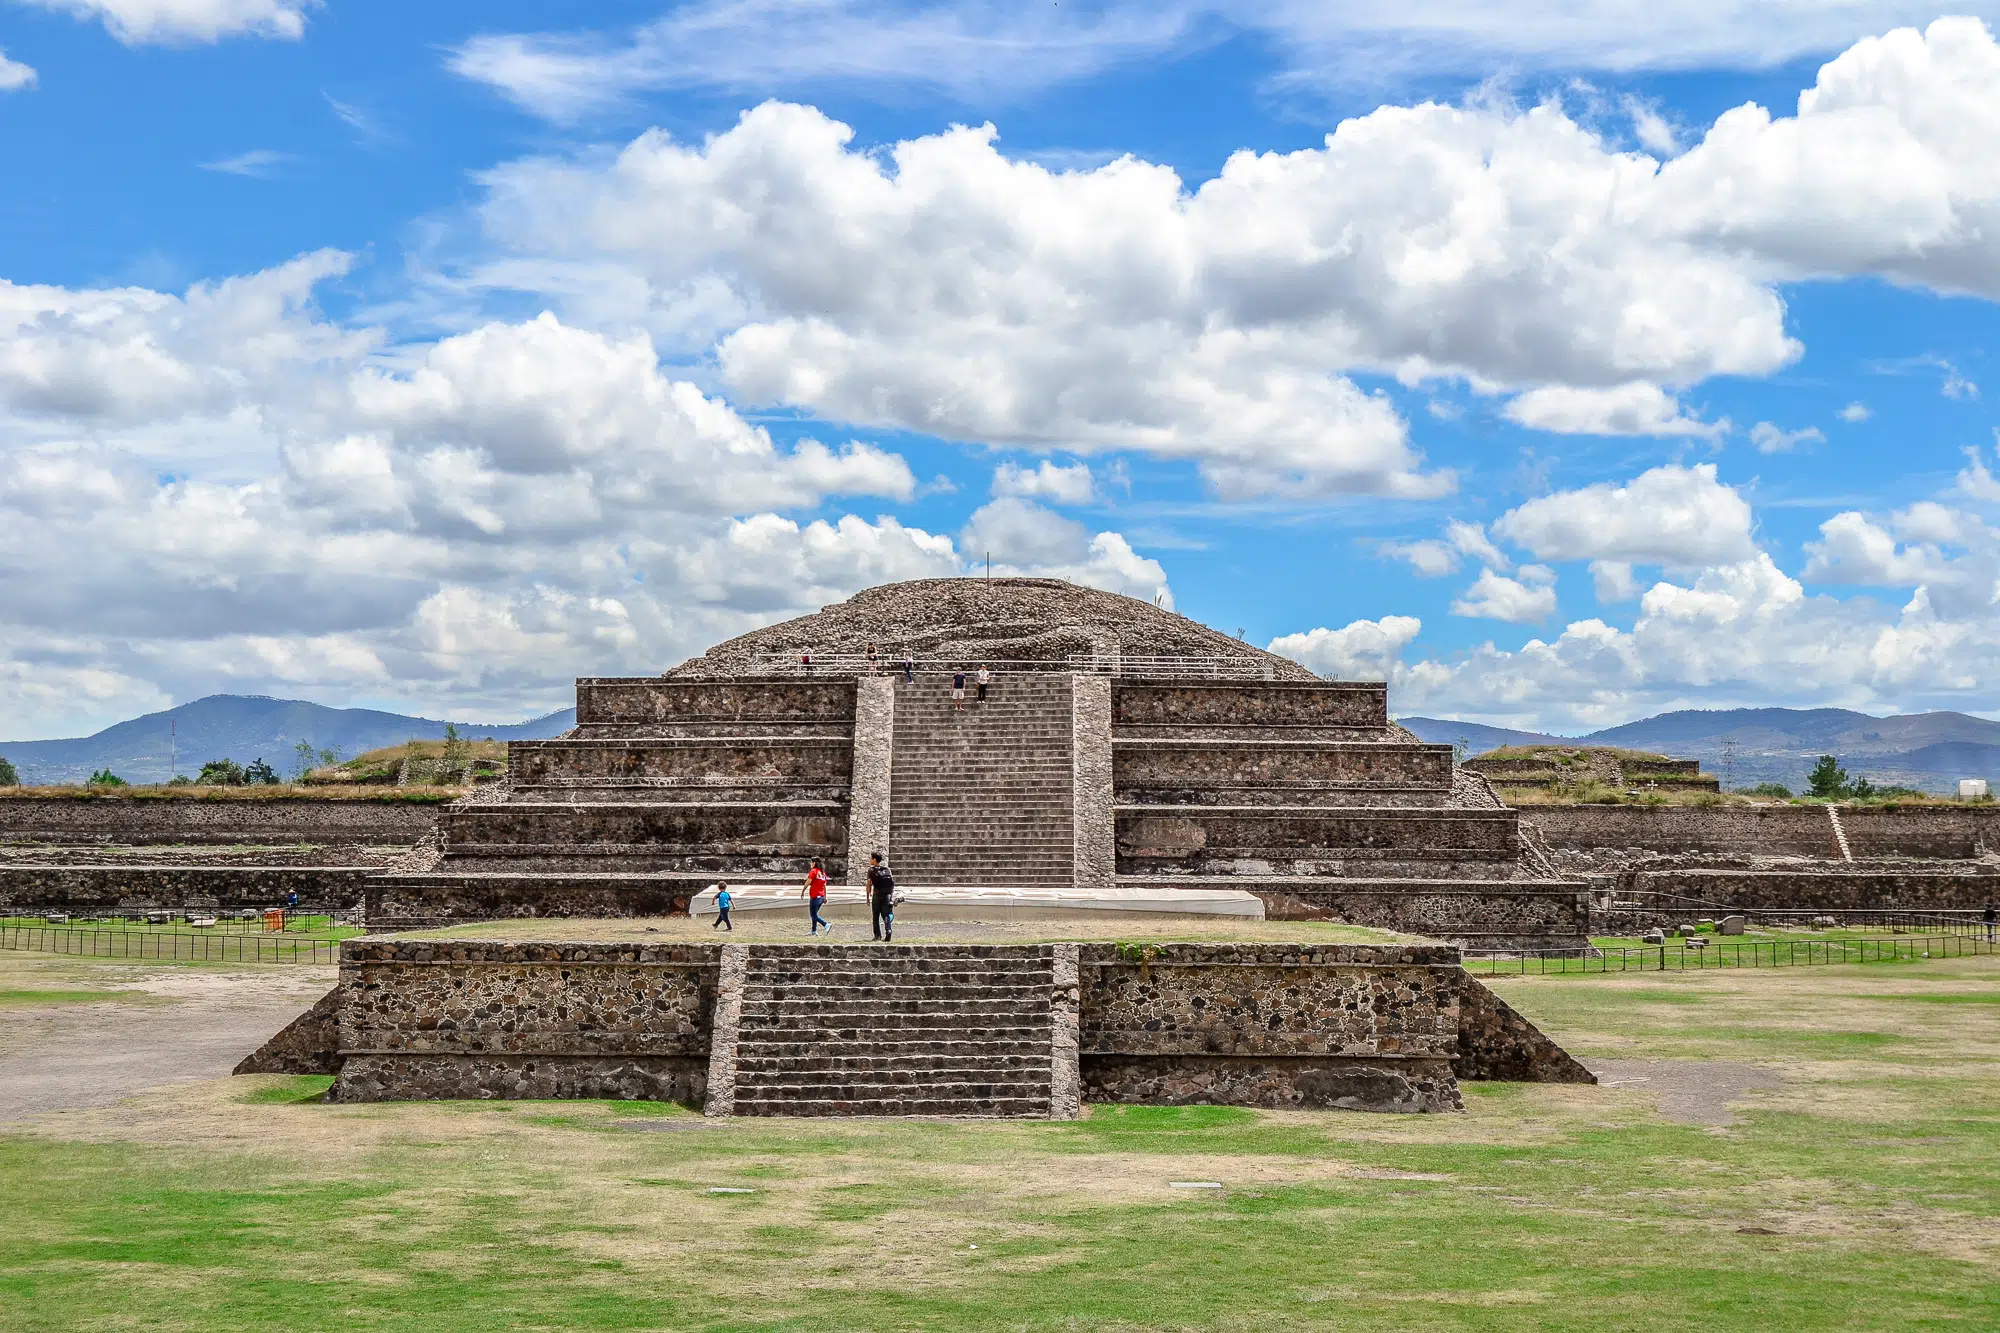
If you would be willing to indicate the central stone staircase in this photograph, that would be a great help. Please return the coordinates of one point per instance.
(983, 795)
(896, 1030)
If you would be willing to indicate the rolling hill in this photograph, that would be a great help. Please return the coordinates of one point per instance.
(243, 728)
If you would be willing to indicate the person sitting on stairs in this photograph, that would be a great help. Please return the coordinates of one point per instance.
(815, 895)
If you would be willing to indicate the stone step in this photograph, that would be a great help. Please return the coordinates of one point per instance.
(1009, 1108)
(905, 1041)
(912, 1063)
(937, 1011)
(882, 964)
(1009, 991)
(957, 1090)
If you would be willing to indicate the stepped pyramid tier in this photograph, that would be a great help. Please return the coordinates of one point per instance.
(1121, 749)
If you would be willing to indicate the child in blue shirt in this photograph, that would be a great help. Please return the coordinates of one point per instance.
(722, 901)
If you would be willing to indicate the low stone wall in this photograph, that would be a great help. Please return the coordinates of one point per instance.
(1476, 916)
(1497, 1045)
(1817, 889)
(93, 887)
(1351, 1026)
(1183, 839)
(456, 1019)
(638, 700)
(776, 760)
(1261, 704)
(132, 820)
(1158, 763)
(412, 902)
(637, 826)
(1769, 830)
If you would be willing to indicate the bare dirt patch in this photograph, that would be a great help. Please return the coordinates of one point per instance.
(179, 1025)
(1689, 1092)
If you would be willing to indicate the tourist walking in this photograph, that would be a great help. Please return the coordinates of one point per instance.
(871, 659)
(958, 689)
(1991, 918)
(881, 899)
(815, 895)
(806, 661)
(909, 668)
(723, 900)
(985, 678)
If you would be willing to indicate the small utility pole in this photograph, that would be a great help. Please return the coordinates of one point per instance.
(173, 748)
(989, 564)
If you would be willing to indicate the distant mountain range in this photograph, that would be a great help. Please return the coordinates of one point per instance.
(243, 728)
(1929, 751)
(1746, 746)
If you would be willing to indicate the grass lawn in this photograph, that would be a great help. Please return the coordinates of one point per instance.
(1857, 1186)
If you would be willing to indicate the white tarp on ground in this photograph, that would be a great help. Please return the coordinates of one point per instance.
(923, 901)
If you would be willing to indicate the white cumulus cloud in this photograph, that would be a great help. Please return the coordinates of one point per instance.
(1496, 597)
(1360, 650)
(1069, 484)
(1672, 515)
(140, 22)
(1770, 439)
(14, 76)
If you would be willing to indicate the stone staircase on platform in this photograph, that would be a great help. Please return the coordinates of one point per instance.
(983, 796)
(969, 1030)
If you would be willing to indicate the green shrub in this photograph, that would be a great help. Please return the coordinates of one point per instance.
(8, 777)
(1771, 789)
(104, 777)
(221, 773)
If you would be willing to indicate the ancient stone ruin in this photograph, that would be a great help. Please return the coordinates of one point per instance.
(1120, 747)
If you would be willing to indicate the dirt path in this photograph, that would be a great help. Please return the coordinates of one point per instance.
(185, 1023)
(1690, 1092)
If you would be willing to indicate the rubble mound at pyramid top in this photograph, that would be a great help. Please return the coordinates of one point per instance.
(989, 620)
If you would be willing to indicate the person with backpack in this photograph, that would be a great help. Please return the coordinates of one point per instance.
(881, 899)
(815, 894)
(723, 900)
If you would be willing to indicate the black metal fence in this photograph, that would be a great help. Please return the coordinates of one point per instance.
(196, 946)
(1686, 956)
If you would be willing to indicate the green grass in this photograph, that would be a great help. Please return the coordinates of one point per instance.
(21, 997)
(1876, 1162)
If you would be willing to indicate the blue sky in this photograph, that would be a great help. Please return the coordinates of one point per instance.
(1560, 371)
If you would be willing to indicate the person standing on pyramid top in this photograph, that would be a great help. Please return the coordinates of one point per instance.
(958, 690)
(985, 678)
(815, 895)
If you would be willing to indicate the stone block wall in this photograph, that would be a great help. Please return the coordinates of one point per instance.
(874, 749)
(1246, 840)
(1927, 830)
(1803, 890)
(91, 888)
(457, 1019)
(1263, 704)
(693, 762)
(1357, 1027)
(1093, 786)
(136, 821)
(1145, 766)
(1486, 916)
(606, 701)
(1768, 830)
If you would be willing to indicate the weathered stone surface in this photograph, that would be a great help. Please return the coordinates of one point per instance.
(691, 762)
(949, 622)
(134, 821)
(1155, 764)
(309, 1044)
(874, 749)
(1818, 888)
(635, 701)
(1066, 1025)
(1248, 839)
(90, 887)
(413, 1076)
(726, 1027)
(1096, 863)
(1287, 702)
(1295, 1083)
(1496, 1044)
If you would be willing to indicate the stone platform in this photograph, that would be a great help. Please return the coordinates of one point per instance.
(961, 1029)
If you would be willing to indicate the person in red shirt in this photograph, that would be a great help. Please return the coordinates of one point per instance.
(815, 895)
